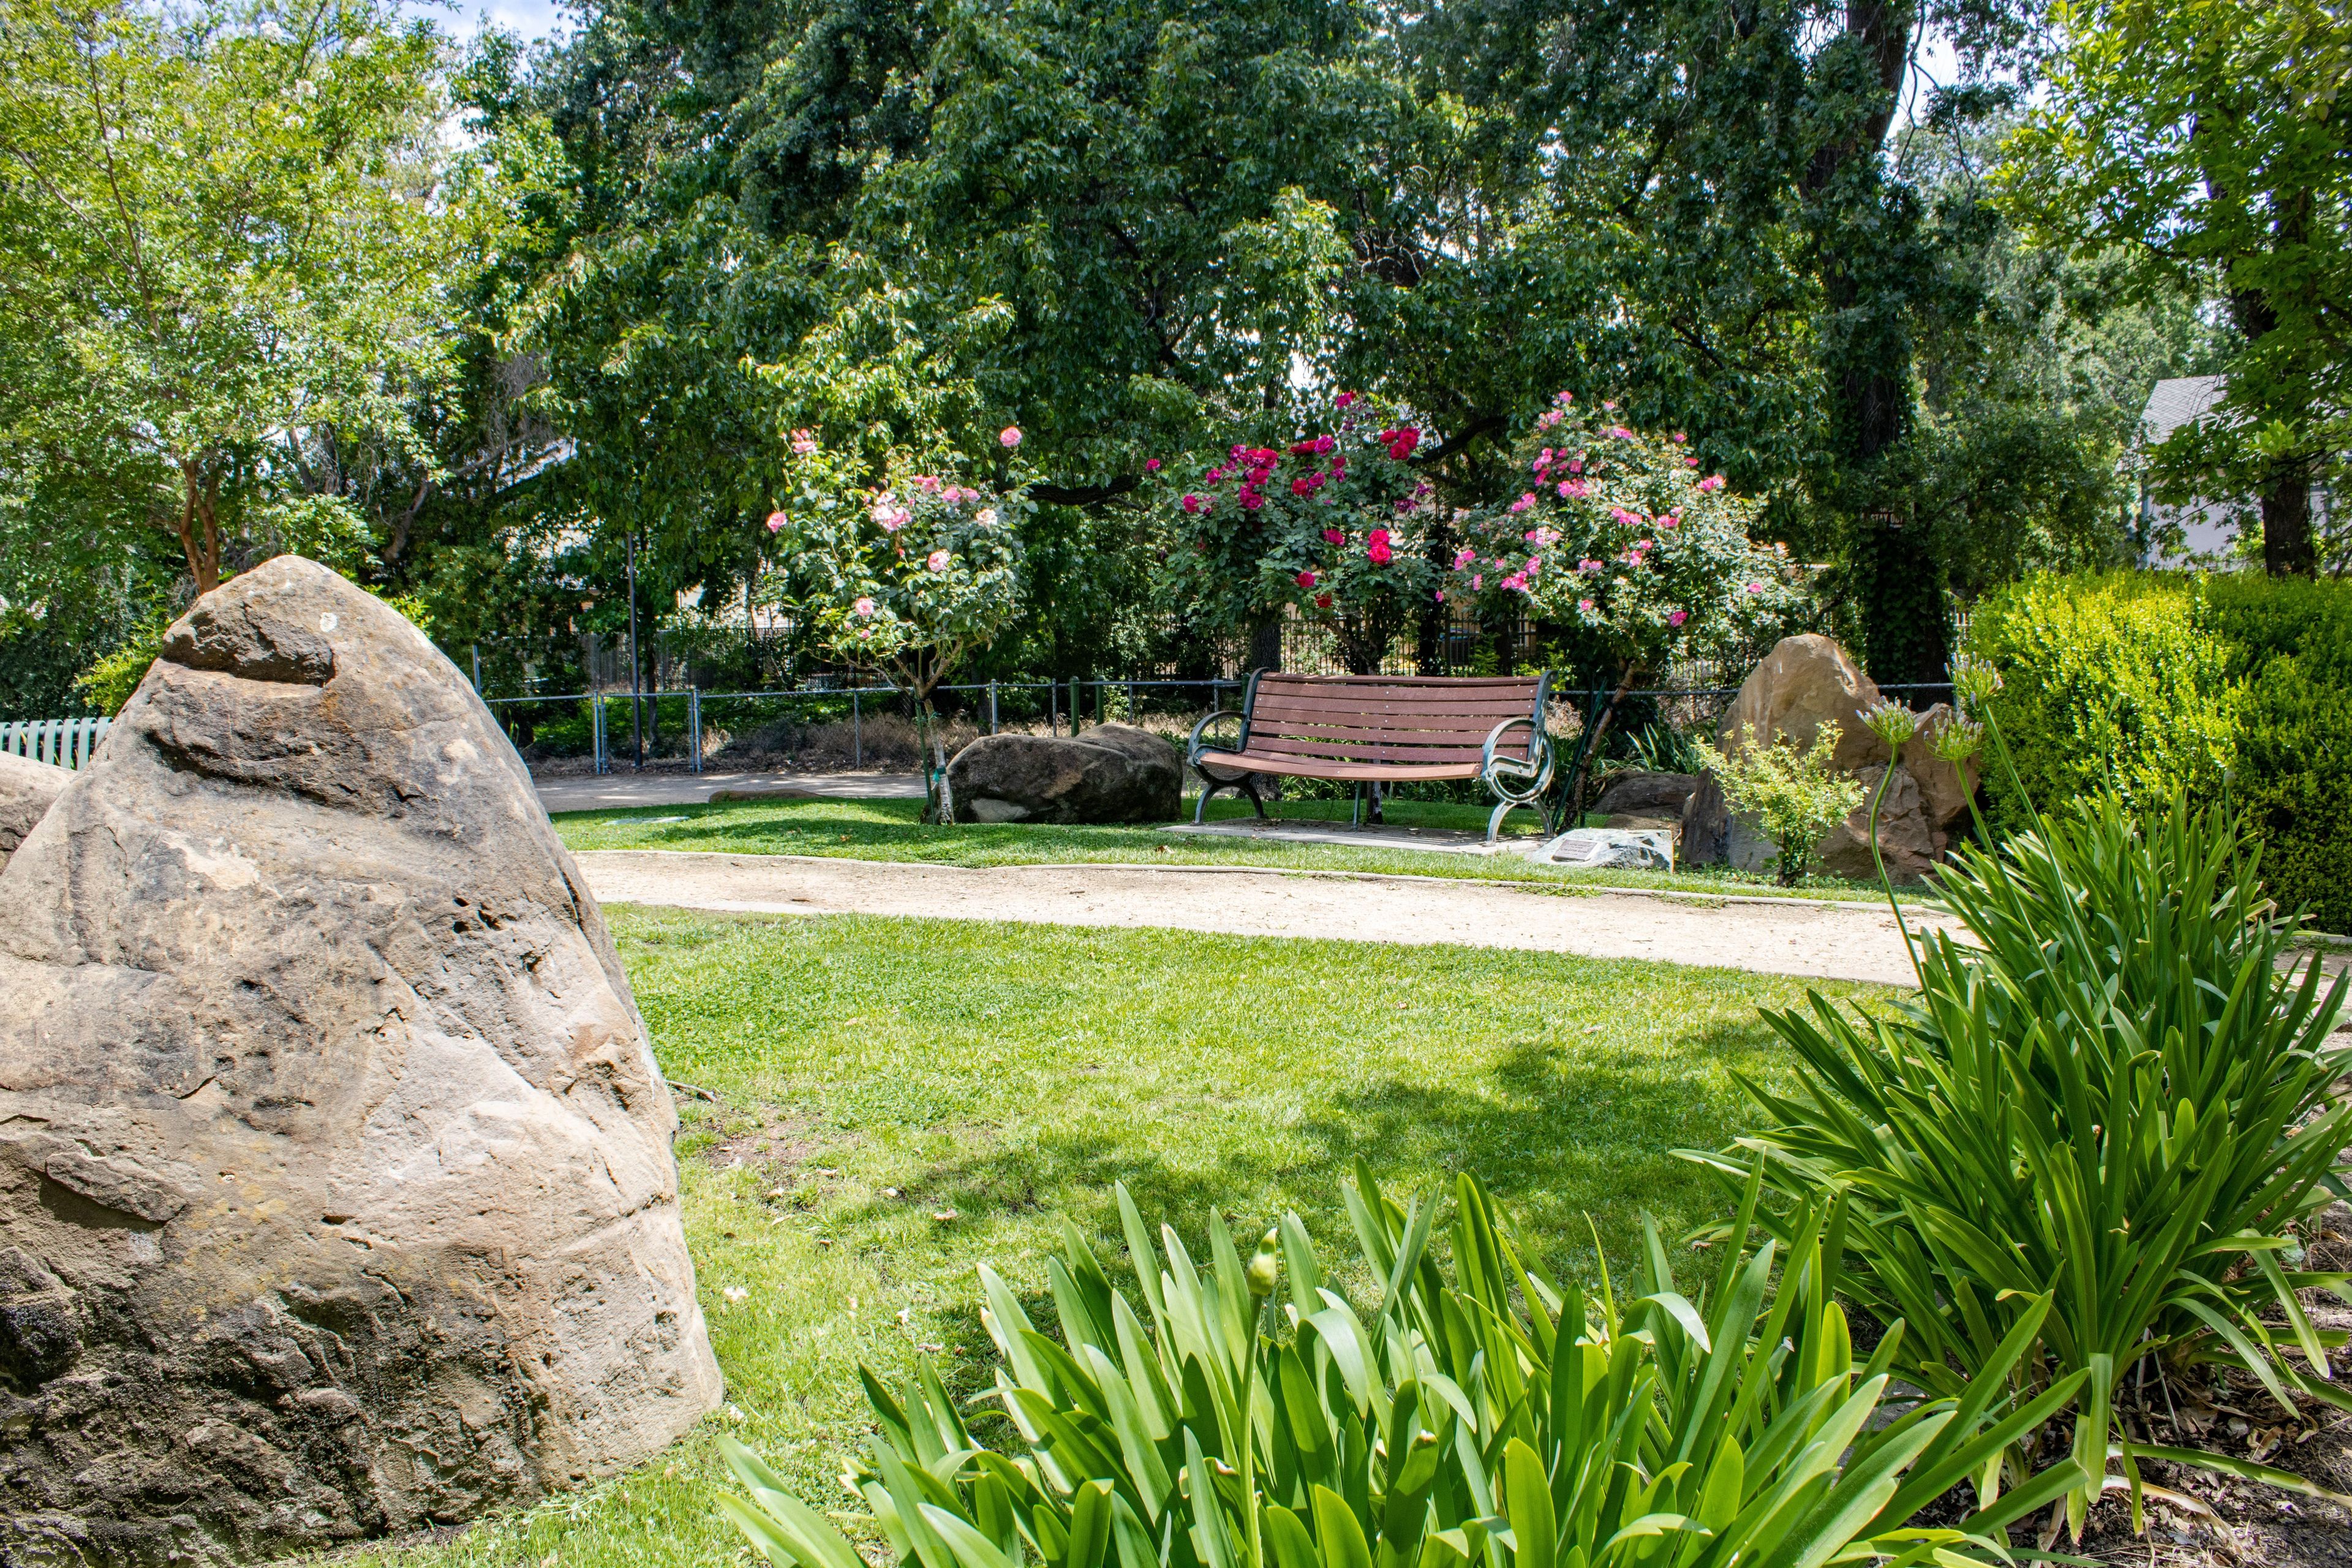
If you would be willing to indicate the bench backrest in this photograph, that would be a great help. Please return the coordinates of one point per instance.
(1389, 719)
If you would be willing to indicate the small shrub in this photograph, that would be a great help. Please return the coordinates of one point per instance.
(2235, 686)
(1796, 796)
(1498, 1420)
(2109, 682)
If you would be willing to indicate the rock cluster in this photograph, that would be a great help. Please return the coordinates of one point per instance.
(336, 1190)
(1804, 683)
(1112, 772)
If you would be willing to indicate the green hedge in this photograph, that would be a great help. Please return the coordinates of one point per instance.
(2141, 681)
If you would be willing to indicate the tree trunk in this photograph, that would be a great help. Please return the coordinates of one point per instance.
(1264, 643)
(2287, 550)
(198, 526)
(1572, 809)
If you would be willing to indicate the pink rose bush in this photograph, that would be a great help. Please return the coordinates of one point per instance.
(904, 576)
(1664, 567)
(1334, 523)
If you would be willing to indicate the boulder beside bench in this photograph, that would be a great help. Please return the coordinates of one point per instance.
(1110, 773)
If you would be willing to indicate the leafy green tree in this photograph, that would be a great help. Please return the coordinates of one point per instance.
(2192, 137)
(222, 233)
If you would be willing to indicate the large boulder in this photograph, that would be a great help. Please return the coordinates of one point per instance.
(1112, 772)
(1945, 788)
(336, 1190)
(1803, 683)
(28, 790)
(1907, 839)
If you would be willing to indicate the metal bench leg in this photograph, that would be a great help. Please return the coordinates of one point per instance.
(1256, 799)
(1355, 806)
(1378, 820)
(1201, 807)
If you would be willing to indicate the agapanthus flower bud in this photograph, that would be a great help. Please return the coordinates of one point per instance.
(1265, 1265)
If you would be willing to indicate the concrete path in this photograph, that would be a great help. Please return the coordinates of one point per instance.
(1773, 936)
(587, 791)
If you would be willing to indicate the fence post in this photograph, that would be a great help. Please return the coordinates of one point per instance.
(1053, 706)
(694, 724)
(992, 705)
(478, 667)
(596, 731)
(856, 732)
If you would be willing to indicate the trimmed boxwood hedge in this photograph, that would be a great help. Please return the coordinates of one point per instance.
(2238, 684)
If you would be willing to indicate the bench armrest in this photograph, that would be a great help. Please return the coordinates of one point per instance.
(1193, 747)
(1517, 778)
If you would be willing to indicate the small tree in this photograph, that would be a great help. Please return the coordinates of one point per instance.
(1618, 533)
(227, 229)
(1331, 525)
(907, 579)
(1796, 795)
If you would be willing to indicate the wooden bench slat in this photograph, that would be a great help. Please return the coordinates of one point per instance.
(1403, 682)
(1321, 768)
(1363, 751)
(1370, 727)
(1353, 735)
(1284, 707)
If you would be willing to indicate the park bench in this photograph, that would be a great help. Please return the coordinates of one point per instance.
(1375, 730)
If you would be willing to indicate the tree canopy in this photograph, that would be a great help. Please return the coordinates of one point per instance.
(486, 314)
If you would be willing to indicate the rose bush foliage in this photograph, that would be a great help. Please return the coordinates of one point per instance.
(1334, 524)
(906, 578)
(1615, 530)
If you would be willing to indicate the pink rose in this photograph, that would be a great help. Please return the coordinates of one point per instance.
(1712, 482)
(1441, 596)
(1307, 579)
(937, 561)
(1333, 536)
(1463, 557)
(1680, 437)
(1584, 605)
(1565, 398)
(1588, 565)
(1755, 587)
(1678, 617)
(1322, 601)
(1620, 433)
(862, 607)
(1344, 399)
(1150, 465)
(1010, 437)
(776, 521)
(803, 442)
(1378, 552)
(1524, 502)
(1477, 581)
(1191, 502)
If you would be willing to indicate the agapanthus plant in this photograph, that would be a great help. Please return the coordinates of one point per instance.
(906, 579)
(1331, 524)
(1617, 532)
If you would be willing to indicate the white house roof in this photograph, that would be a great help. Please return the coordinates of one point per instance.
(2183, 400)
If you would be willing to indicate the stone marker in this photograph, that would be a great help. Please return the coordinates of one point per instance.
(1595, 847)
(28, 790)
(336, 1190)
(1112, 772)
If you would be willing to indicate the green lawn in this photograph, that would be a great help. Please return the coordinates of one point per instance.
(898, 1100)
(888, 830)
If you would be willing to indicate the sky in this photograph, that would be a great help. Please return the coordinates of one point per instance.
(531, 19)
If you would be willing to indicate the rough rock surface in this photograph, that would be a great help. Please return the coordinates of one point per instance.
(1645, 793)
(1908, 840)
(336, 1190)
(1803, 683)
(1112, 772)
(28, 790)
(1945, 788)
